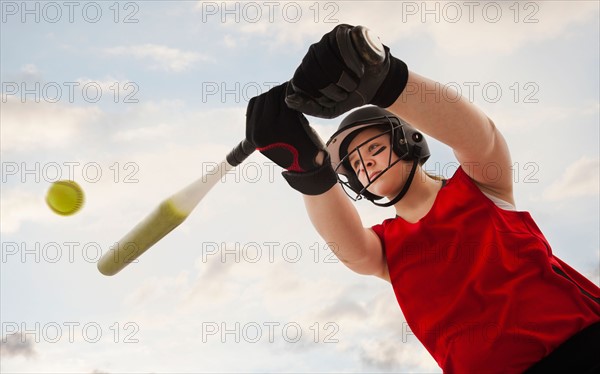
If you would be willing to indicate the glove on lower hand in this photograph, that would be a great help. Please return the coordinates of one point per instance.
(333, 78)
(284, 136)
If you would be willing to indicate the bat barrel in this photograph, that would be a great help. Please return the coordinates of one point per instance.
(154, 227)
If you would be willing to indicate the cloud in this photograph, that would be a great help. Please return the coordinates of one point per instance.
(30, 69)
(504, 28)
(355, 316)
(16, 344)
(381, 354)
(164, 58)
(27, 125)
(229, 41)
(392, 355)
(581, 179)
(142, 133)
(19, 206)
(114, 88)
(344, 308)
(155, 289)
(456, 28)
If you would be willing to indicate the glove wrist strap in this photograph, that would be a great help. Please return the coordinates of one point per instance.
(314, 182)
(393, 85)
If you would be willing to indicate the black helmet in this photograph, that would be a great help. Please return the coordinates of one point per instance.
(406, 142)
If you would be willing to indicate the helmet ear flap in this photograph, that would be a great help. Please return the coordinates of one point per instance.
(416, 146)
(399, 142)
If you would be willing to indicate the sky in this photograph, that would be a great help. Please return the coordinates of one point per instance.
(135, 99)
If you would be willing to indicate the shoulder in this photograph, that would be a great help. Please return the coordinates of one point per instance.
(501, 200)
(381, 228)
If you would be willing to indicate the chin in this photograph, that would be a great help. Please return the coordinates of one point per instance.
(383, 189)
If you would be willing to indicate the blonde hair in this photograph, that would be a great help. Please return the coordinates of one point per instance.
(435, 177)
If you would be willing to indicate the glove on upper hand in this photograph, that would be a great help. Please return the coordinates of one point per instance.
(333, 78)
(284, 136)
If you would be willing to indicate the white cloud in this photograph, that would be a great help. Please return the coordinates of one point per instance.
(581, 179)
(19, 206)
(109, 85)
(142, 133)
(358, 316)
(27, 125)
(30, 69)
(456, 28)
(163, 57)
(516, 27)
(17, 344)
(393, 355)
(230, 41)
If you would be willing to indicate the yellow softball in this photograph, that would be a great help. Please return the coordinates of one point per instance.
(65, 197)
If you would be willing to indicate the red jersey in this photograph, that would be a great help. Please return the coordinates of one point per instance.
(480, 287)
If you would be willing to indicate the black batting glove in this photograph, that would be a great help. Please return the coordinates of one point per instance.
(333, 79)
(284, 136)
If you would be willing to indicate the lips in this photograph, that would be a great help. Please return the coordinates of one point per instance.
(374, 174)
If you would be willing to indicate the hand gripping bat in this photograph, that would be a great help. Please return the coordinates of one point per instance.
(175, 209)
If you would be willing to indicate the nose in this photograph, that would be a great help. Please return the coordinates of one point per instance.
(367, 164)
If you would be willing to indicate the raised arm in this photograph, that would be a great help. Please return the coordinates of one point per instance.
(330, 82)
(338, 222)
(478, 145)
(284, 135)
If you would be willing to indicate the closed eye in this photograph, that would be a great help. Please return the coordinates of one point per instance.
(355, 166)
(381, 149)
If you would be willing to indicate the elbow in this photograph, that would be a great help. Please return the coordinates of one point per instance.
(493, 134)
(369, 265)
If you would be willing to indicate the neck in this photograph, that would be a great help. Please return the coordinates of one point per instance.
(419, 198)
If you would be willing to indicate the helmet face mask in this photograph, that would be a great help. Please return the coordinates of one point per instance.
(348, 177)
(404, 141)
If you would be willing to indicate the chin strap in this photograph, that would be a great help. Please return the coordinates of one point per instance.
(404, 189)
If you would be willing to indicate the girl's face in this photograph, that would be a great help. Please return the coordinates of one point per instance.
(376, 158)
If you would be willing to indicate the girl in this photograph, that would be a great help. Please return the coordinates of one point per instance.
(476, 280)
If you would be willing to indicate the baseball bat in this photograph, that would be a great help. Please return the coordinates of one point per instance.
(169, 214)
(175, 209)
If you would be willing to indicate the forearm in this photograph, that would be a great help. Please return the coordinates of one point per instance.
(337, 221)
(450, 118)
(442, 114)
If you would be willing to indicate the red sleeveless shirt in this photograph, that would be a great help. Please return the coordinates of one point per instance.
(480, 287)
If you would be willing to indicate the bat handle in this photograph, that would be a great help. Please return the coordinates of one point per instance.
(240, 152)
(367, 45)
